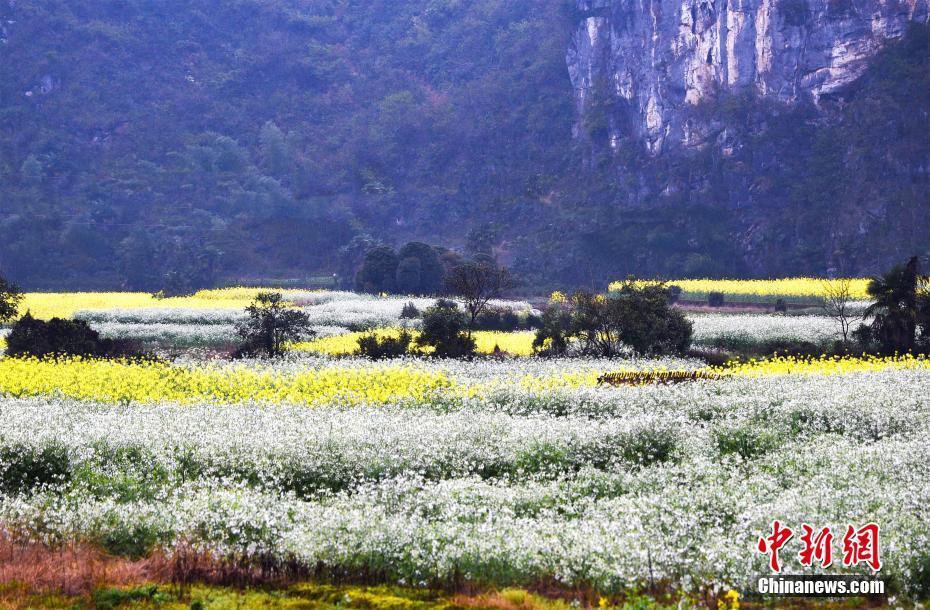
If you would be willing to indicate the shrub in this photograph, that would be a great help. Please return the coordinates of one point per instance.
(637, 317)
(10, 297)
(271, 324)
(781, 306)
(444, 330)
(112, 598)
(409, 312)
(746, 442)
(554, 332)
(674, 294)
(59, 337)
(715, 299)
(377, 348)
(24, 468)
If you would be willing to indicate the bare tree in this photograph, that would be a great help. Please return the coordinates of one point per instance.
(836, 304)
(477, 283)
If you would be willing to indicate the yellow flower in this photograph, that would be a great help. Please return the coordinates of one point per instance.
(118, 382)
(518, 343)
(45, 305)
(797, 288)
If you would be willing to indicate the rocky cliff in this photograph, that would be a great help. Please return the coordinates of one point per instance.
(651, 60)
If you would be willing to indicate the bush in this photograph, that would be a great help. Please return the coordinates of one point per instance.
(409, 312)
(781, 306)
(715, 299)
(58, 337)
(271, 324)
(10, 297)
(554, 332)
(746, 442)
(636, 317)
(674, 294)
(377, 348)
(444, 330)
(24, 468)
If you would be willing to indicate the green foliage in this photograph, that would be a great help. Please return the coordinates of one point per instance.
(59, 337)
(900, 309)
(748, 442)
(420, 270)
(409, 274)
(273, 131)
(272, 323)
(554, 334)
(10, 298)
(637, 317)
(501, 319)
(24, 468)
(379, 271)
(111, 598)
(444, 327)
(377, 348)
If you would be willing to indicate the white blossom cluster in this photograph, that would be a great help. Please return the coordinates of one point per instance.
(711, 328)
(615, 487)
(327, 310)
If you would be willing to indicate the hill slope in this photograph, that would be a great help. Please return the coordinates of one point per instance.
(260, 137)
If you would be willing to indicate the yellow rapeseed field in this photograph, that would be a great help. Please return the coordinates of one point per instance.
(796, 288)
(519, 343)
(150, 382)
(45, 305)
(824, 365)
(118, 382)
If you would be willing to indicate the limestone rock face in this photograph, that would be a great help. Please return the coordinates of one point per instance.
(649, 60)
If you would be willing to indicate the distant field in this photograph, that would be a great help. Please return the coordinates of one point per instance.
(460, 474)
(798, 290)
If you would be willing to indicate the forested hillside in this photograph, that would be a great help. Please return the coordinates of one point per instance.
(281, 138)
(272, 131)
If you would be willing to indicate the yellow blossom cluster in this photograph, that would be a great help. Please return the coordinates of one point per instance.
(519, 343)
(45, 305)
(796, 288)
(152, 382)
(824, 365)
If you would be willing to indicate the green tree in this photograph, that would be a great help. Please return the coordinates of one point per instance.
(444, 329)
(277, 158)
(271, 324)
(431, 269)
(409, 275)
(637, 317)
(900, 298)
(379, 271)
(10, 298)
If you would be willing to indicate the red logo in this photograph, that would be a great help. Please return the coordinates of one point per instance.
(772, 544)
(819, 547)
(859, 546)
